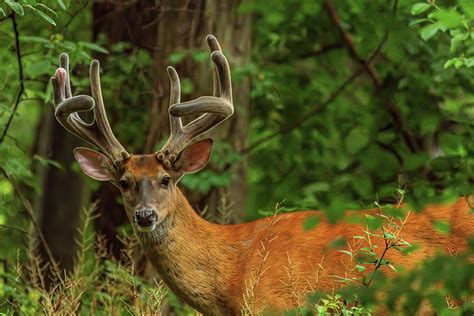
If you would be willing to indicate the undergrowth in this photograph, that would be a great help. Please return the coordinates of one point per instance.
(98, 285)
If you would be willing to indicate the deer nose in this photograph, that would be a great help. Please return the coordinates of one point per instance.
(144, 217)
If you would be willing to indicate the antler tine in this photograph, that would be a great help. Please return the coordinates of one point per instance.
(214, 46)
(98, 132)
(213, 109)
(176, 125)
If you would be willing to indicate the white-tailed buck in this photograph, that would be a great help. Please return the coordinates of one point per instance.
(269, 264)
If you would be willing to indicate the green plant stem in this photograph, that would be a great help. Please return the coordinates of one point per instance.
(20, 77)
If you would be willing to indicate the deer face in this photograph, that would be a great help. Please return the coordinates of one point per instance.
(147, 182)
(148, 187)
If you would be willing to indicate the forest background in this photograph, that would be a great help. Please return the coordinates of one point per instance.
(338, 105)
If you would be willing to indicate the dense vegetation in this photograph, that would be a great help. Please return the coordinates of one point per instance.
(350, 103)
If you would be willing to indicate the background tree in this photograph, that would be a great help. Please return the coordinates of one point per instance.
(173, 32)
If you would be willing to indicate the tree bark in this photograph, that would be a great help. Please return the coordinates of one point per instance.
(183, 25)
(167, 27)
(58, 204)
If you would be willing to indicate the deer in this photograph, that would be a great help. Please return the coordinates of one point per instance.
(270, 264)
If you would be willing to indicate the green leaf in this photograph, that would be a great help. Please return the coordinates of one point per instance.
(43, 15)
(3, 12)
(177, 57)
(449, 63)
(310, 222)
(468, 7)
(449, 19)
(61, 4)
(16, 7)
(429, 31)
(346, 252)
(38, 68)
(457, 40)
(200, 56)
(187, 86)
(34, 39)
(360, 268)
(442, 227)
(47, 9)
(419, 8)
(418, 21)
(373, 222)
(357, 139)
(94, 47)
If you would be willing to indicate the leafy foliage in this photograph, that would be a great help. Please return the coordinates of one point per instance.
(347, 151)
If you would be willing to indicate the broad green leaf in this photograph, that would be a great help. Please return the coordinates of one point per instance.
(357, 139)
(187, 86)
(373, 222)
(419, 8)
(442, 227)
(3, 12)
(16, 7)
(310, 222)
(177, 57)
(448, 18)
(468, 7)
(429, 31)
(469, 62)
(200, 56)
(449, 63)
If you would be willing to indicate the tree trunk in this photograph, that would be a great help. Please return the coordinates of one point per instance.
(58, 205)
(169, 27)
(183, 25)
(120, 22)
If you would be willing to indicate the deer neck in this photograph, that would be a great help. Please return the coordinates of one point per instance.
(190, 253)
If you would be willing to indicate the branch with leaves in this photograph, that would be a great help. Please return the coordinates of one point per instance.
(390, 105)
(20, 77)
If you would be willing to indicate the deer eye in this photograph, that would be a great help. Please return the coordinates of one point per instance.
(165, 181)
(124, 184)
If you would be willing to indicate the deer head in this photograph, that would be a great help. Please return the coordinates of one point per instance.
(147, 182)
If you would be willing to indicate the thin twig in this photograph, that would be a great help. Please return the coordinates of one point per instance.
(308, 115)
(390, 105)
(21, 230)
(20, 77)
(317, 108)
(73, 16)
(309, 53)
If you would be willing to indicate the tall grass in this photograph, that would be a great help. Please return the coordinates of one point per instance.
(98, 285)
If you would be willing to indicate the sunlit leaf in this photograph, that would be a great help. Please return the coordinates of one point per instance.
(419, 8)
(16, 7)
(42, 14)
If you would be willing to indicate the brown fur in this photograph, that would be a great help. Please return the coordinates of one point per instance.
(271, 263)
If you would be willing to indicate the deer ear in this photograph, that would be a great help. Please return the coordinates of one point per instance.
(95, 164)
(194, 157)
